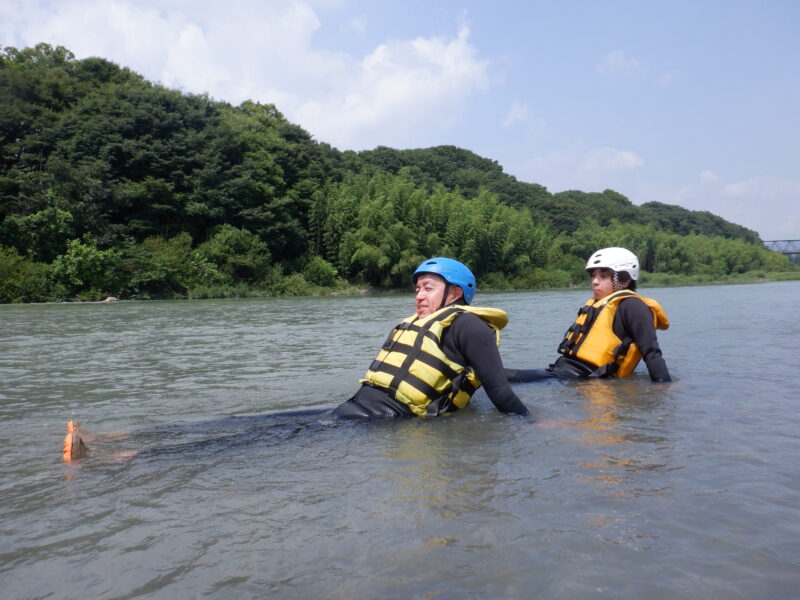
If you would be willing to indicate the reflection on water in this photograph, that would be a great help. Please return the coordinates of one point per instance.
(605, 411)
(628, 441)
(633, 490)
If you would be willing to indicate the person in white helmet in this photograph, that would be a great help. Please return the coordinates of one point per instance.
(614, 330)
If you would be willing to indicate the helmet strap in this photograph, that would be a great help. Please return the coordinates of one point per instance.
(444, 295)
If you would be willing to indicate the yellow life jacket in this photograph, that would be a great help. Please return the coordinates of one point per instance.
(413, 369)
(591, 337)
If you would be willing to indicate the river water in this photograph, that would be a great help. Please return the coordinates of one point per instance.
(622, 489)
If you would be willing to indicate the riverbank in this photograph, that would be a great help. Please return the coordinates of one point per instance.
(345, 289)
(297, 287)
(669, 280)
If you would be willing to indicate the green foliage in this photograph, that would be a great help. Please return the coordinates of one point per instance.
(165, 268)
(43, 234)
(23, 280)
(685, 222)
(236, 254)
(455, 169)
(292, 285)
(239, 290)
(320, 272)
(85, 268)
(110, 184)
(398, 224)
(661, 252)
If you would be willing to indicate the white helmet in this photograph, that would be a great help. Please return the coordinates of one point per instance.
(616, 259)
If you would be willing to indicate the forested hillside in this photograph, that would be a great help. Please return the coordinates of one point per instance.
(112, 185)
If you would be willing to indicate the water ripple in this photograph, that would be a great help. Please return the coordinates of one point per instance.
(632, 490)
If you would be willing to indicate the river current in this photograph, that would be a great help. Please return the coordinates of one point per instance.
(195, 488)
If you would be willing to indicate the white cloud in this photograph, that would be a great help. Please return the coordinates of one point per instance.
(617, 62)
(404, 92)
(192, 47)
(668, 78)
(399, 93)
(357, 25)
(517, 113)
(709, 176)
(611, 159)
(134, 36)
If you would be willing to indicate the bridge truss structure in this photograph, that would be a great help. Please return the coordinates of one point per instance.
(784, 246)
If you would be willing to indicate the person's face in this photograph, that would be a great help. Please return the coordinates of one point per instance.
(430, 289)
(602, 283)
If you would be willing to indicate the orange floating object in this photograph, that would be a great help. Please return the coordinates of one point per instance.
(74, 448)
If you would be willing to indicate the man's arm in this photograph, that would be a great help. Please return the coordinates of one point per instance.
(474, 340)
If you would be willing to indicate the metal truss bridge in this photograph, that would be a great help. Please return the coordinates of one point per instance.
(784, 246)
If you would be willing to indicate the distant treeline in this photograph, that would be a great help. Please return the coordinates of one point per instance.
(112, 185)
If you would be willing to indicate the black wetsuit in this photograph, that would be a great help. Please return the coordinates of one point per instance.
(633, 320)
(469, 341)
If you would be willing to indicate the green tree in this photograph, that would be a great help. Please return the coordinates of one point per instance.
(319, 271)
(165, 268)
(84, 268)
(237, 254)
(42, 235)
(23, 280)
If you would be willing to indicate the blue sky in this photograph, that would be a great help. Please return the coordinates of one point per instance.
(688, 103)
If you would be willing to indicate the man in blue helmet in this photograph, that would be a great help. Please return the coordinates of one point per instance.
(434, 360)
(430, 364)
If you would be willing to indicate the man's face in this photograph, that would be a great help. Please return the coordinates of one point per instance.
(430, 289)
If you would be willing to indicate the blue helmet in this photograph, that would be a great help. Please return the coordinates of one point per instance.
(452, 271)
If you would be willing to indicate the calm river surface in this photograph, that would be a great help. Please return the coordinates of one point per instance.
(685, 490)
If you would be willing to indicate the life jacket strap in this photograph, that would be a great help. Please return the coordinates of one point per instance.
(415, 351)
(607, 370)
(577, 331)
(399, 375)
(392, 341)
(423, 357)
(444, 403)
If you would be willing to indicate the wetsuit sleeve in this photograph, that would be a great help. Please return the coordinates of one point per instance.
(528, 375)
(474, 340)
(636, 320)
